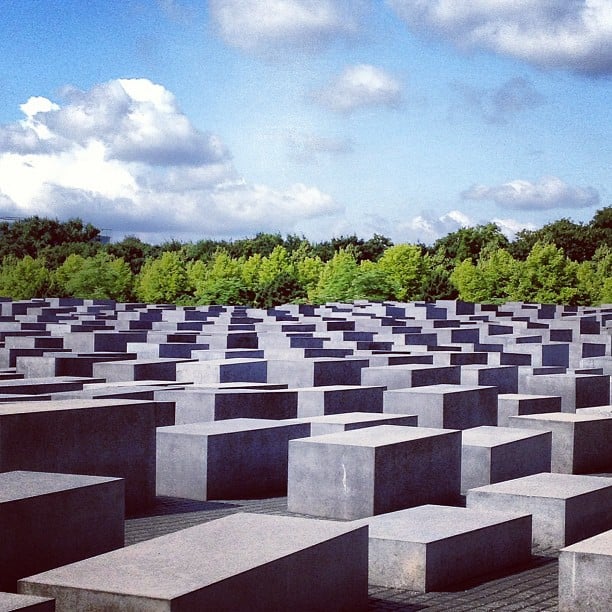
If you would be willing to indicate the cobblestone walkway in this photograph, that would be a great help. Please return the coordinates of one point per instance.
(529, 588)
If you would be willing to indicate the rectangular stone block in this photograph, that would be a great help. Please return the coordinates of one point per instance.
(222, 371)
(580, 441)
(240, 562)
(317, 372)
(566, 508)
(96, 437)
(334, 423)
(576, 390)
(445, 406)
(232, 459)
(504, 377)
(369, 471)
(198, 405)
(138, 369)
(495, 454)
(585, 571)
(48, 520)
(10, 602)
(413, 375)
(517, 404)
(337, 399)
(432, 548)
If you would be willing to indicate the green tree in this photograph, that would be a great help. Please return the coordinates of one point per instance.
(547, 276)
(491, 280)
(405, 267)
(336, 280)
(164, 279)
(373, 283)
(99, 277)
(23, 279)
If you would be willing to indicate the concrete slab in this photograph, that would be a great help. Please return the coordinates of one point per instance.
(304, 564)
(566, 508)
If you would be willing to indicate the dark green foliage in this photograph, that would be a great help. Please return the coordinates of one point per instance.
(283, 289)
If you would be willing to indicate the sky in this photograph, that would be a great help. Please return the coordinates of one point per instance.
(186, 120)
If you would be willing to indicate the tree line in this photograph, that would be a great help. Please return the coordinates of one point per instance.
(563, 262)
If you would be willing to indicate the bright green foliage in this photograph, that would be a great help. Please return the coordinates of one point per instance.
(491, 280)
(223, 282)
(404, 266)
(99, 277)
(595, 278)
(275, 264)
(163, 280)
(373, 283)
(547, 276)
(22, 279)
(72, 265)
(250, 272)
(336, 280)
(308, 271)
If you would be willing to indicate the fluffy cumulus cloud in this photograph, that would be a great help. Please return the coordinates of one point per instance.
(567, 34)
(499, 105)
(548, 193)
(123, 156)
(360, 86)
(263, 26)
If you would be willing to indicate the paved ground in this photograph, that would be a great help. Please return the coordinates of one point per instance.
(529, 588)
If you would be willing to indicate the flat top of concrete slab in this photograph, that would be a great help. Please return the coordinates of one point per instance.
(134, 383)
(489, 436)
(381, 435)
(13, 601)
(67, 404)
(431, 522)
(523, 396)
(352, 417)
(335, 388)
(440, 389)
(405, 367)
(557, 486)
(605, 410)
(210, 428)
(182, 562)
(562, 417)
(21, 484)
(600, 544)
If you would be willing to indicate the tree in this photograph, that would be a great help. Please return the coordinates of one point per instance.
(132, 250)
(373, 283)
(405, 268)
(546, 277)
(99, 277)
(23, 279)
(164, 279)
(336, 280)
(491, 280)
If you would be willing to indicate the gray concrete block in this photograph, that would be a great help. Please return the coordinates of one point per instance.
(231, 459)
(96, 437)
(337, 399)
(48, 520)
(413, 375)
(432, 548)
(517, 404)
(198, 405)
(585, 571)
(138, 369)
(580, 442)
(10, 602)
(334, 423)
(369, 471)
(495, 454)
(505, 377)
(222, 371)
(576, 390)
(317, 372)
(304, 565)
(566, 508)
(445, 406)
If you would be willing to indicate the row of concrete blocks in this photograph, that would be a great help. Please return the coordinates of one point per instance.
(307, 564)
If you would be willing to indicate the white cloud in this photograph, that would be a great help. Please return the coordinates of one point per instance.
(509, 227)
(567, 34)
(360, 86)
(124, 157)
(549, 192)
(262, 26)
(502, 104)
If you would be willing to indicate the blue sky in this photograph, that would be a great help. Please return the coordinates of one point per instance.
(188, 119)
